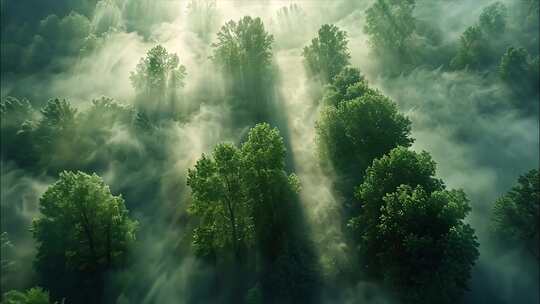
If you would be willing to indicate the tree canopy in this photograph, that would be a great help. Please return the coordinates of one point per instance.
(327, 54)
(83, 228)
(202, 15)
(243, 51)
(520, 71)
(493, 19)
(357, 125)
(410, 226)
(390, 24)
(220, 201)
(477, 42)
(515, 214)
(247, 208)
(156, 79)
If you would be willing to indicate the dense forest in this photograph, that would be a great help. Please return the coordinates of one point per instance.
(270, 151)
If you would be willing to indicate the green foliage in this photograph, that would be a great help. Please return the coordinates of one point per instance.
(15, 112)
(56, 130)
(472, 49)
(287, 15)
(16, 144)
(492, 20)
(220, 202)
(519, 70)
(390, 24)
(243, 52)
(351, 133)
(104, 113)
(83, 228)
(58, 137)
(400, 166)
(228, 189)
(515, 214)
(264, 149)
(156, 78)
(346, 86)
(327, 54)
(291, 25)
(56, 43)
(143, 16)
(202, 16)
(35, 295)
(476, 44)
(410, 227)
(243, 44)
(243, 199)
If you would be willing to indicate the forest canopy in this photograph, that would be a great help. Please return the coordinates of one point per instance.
(269, 152)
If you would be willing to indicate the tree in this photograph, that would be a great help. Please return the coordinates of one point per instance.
(410, 231)
(515, 214)
(83, 229)
(291, 26)
(519, 70)
(55, 135)
(390, 24)
(243, 198)
(220, 202)
(202, 16)
(492, 20)
(346, 86)
(472, 51)
(327, 54)
(354, 132)
(477, 41)
(35, 295)
(236, 191)
(288, 269)
(158, 76)
(57, 43)
(243, 51)
(16, 144)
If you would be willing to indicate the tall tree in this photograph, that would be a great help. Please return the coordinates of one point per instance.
(16, 144)
(410, 231)
(492, 20)
(244, 198)
(202, 16)
(390, 24)
(243, 51)
(220, 202)
(520, 71)
(83, 230)
(477, 42)
(515, 214)
(156, 79)
(357, 125)
(288, 270)
(54, 136)
(327, 54)
(290, 26)
(472, 49)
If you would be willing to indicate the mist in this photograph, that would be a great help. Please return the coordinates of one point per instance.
(480, 132)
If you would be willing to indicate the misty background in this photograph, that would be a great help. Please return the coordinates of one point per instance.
(479, 131)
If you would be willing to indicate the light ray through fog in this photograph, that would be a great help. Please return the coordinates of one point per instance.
(470, 121)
